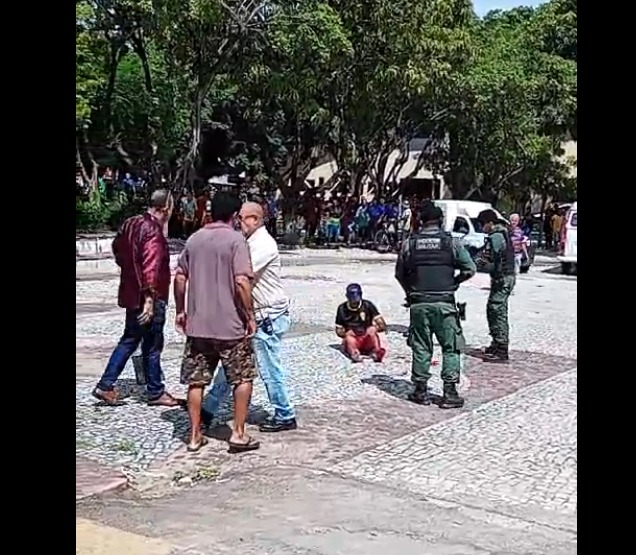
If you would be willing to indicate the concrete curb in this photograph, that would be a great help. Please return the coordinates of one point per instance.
(92, 479)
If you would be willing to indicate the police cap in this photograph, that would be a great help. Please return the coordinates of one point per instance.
(430, 213)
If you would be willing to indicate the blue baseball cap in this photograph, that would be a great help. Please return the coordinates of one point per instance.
(354, 292)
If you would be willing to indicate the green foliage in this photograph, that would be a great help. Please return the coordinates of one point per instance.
(89, 50)
(517, 103)
(291, 84)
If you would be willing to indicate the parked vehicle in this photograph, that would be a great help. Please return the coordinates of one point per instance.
(460, 218)
(568, 242)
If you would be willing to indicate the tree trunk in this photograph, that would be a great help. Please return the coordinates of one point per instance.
(184, 175)
(83, 149)
(140, 50)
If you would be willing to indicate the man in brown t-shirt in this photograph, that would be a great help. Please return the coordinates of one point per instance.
(215, 268)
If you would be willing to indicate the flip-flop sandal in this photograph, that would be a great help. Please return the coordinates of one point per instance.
(197, 447)
(251, 445)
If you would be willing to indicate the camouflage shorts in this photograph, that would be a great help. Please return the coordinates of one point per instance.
(202, 356)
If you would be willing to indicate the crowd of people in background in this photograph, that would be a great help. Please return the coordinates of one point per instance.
(317, 219)
(323, 219)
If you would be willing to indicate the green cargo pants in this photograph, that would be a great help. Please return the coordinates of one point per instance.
(441, 320)
(497, 308)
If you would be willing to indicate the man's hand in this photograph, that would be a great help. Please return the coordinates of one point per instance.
(147, 311)
(180, 322)
(250, 328)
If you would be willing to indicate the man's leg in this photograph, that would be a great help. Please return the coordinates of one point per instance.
(152, 341)
(372, 345)
(240, 370)
(497, 312)
(197, 369)
(421, 342)
(267, 350)
(491, 312)
(128, 343)
(450, 337)
(351, 344)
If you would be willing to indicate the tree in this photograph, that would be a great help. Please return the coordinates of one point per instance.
(90, 49)
(202, 39)
(512, 109)
(405, 55)
(284, 112)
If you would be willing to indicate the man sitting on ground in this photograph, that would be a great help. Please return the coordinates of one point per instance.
(358, 323)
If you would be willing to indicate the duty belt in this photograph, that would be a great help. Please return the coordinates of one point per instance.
(436, 297)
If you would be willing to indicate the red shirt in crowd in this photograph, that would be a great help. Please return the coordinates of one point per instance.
(141, 251)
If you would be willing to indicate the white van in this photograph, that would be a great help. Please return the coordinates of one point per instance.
(568, 241)
(460, 219)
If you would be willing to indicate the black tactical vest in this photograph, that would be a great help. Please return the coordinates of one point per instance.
(506, 266)
(432, 267)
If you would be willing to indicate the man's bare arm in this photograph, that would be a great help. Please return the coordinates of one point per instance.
(179, 289)
(244, 290)
(379, 323)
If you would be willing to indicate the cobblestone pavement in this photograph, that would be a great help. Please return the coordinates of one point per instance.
(511, 451)
(518, 453)
(321, 378)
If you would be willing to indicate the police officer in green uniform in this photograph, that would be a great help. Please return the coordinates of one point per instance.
(426, 271)
(498, 259)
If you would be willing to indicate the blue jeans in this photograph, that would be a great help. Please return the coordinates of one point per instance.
(151, 338)
(333, 232)
(271, 371)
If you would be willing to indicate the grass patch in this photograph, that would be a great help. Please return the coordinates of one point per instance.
(125, 446)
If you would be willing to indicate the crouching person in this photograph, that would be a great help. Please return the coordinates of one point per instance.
(359, 324)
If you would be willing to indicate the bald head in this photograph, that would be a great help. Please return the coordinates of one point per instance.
(251, 217)
(252, 209)
(160, 198)
(161, 206)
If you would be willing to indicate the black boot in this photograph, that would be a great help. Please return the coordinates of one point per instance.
(420, 395)
(491, 348)
(451, 400)
(500, 355)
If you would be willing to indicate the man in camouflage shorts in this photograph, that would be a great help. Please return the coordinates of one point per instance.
(201, 356)
(219, 323)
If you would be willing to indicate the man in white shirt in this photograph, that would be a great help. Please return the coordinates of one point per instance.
(271, 309)
(405, 219)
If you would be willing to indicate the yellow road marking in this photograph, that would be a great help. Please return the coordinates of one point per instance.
(94, 539)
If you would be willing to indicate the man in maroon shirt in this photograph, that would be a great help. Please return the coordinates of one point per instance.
(141, 252)
(219, 323)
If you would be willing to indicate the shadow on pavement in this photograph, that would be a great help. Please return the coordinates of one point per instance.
(398, 328)
(221, 432)
(129, 389)
(558, 271)
(180, 421)
(398, 388)
(475, 352)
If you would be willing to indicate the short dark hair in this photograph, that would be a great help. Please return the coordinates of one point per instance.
(430, 213)
(160, 198)
(487, 216)
(223, 206)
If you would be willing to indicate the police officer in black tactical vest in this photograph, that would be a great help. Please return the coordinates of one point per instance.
(426, 270)
(498, 258)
